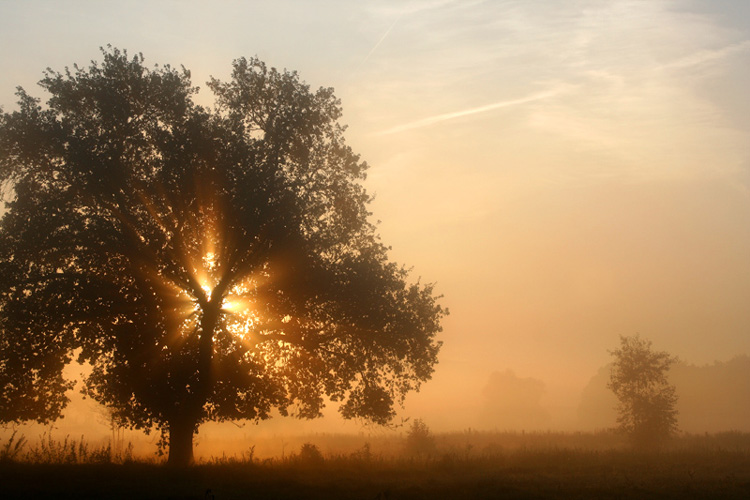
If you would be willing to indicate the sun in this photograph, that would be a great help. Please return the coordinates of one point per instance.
(229, 305)
(240, 315)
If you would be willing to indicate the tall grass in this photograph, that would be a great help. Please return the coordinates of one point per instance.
(467, 464)
(49, 450)
(454, 447)
(11, 449)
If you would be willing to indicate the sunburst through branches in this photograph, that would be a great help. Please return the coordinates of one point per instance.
(239, 307)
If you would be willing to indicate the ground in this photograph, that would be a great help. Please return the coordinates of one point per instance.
(562, 473)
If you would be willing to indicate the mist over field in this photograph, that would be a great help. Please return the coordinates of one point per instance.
(565, 173)
(713, 398)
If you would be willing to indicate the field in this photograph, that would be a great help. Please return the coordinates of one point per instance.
(460, 465)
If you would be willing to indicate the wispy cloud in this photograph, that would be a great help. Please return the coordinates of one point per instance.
(706, 56)
(432, 120)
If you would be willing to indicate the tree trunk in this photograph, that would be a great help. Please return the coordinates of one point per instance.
(209, 320)
(181, 432)
(183, 426)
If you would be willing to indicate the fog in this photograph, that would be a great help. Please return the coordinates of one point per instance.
(713, 398)
(565, 174)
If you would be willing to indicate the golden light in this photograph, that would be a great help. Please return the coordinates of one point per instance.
(209, 261)
(241, 314)
(206, 271)
(231, 305)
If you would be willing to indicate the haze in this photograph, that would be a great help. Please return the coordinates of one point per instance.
(566, 172)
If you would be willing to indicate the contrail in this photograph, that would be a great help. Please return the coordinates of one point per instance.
(387, 32)
(424, 122)
(409, 11)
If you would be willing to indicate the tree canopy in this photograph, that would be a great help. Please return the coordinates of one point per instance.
(209, 263)
(646, 398)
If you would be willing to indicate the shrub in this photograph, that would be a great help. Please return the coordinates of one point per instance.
(309, 454)
(419, 440)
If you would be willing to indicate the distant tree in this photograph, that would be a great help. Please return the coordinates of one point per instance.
(210, 264)
(513, 402)
(646, 398)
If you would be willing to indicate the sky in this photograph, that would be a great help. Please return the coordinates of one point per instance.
(566, 172)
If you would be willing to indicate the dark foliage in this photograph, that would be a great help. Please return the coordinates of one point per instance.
(210, 264)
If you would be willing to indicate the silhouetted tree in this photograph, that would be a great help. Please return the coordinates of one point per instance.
(646, 398)
(210, 264)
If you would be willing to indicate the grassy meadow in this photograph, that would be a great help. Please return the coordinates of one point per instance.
(461, 465)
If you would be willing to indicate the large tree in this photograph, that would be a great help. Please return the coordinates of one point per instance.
(646, 398)
(208, 263)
